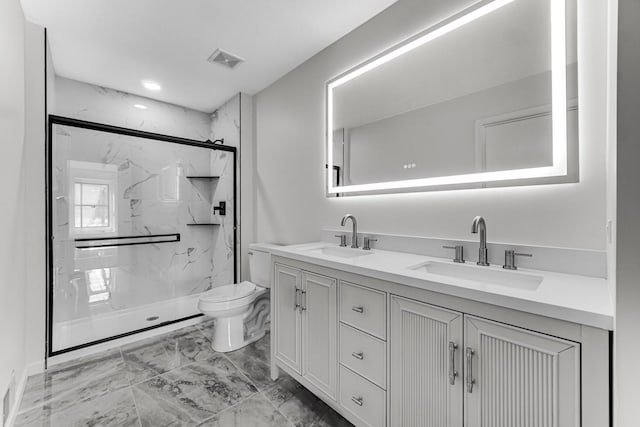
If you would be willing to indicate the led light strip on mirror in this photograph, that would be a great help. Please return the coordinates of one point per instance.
(559, 105)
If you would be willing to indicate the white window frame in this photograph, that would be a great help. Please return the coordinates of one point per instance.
(93, 173)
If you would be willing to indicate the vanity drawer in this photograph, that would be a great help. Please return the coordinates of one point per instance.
(364, 354)
(363, 399)
(364, 308)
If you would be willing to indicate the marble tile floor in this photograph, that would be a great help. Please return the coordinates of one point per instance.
(172, 380)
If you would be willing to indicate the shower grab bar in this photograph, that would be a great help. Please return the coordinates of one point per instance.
(175, 236)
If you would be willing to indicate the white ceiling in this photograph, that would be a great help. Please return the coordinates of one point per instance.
(118, 43)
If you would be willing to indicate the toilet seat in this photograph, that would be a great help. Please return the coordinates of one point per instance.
(229, 292)
(229, 297)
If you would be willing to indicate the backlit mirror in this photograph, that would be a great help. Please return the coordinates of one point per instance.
(485, 98)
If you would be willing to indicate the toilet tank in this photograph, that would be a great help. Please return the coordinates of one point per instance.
(259, 267)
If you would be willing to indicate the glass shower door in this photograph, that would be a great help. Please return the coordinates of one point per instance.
(140, 226)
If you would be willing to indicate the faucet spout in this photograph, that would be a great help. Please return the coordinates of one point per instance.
(354, 236)
(479, 226)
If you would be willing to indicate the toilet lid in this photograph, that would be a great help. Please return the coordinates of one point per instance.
(229, 292)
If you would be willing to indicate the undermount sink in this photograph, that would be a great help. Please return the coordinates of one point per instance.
(484, 275)
(339, 252)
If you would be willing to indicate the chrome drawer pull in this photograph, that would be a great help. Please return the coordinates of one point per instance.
(470, 381)
(358, 355)
(358, 309)
(452, 361)
(303, 305)
(357, 400)
(295, 299)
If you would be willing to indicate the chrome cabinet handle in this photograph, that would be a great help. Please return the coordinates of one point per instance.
(295, 299)
(303, 303)
(357, 400)
(358, 309)
(452, 361)
(358, 355)
(469, 369)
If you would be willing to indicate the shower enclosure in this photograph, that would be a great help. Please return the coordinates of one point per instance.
(139, 225)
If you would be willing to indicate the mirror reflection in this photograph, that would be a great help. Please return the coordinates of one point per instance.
(475, 99)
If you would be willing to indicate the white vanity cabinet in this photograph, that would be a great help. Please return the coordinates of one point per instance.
(287, 317)
(386, 354)
(426, 376)
(507, 376)
(514, 377)
(306, 322)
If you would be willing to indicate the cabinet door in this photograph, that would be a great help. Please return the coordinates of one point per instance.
(319, 332)
(426, 374)
(287, 290)
(521, 378)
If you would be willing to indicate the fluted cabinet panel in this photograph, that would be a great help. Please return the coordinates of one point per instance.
(420, 361)
(522, 379)
(519, 385)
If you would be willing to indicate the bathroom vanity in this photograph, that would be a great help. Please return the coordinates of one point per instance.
(398, 339)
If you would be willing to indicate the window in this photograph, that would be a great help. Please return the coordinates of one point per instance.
(93, 202)
(91, 205)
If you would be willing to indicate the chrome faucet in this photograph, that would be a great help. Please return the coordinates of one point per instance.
(479, 225)
(354, 237)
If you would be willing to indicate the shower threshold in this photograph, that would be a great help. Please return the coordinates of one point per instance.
(76, 333)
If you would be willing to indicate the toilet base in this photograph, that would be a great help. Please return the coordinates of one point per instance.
(228, 334)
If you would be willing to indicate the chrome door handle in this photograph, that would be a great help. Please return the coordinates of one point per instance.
(358, 355)
(469, 369)
(357, 400)
(295, 299)
(303, 301)
(358, 309)
(452, 361)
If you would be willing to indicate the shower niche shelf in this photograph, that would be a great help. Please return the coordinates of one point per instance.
(203, 177)
(205, 224)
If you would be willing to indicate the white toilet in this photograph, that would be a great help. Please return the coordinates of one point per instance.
(240, 310)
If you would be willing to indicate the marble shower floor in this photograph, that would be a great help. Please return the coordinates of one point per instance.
(171, 380)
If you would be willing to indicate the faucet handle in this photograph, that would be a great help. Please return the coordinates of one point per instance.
(343, 240)
(367, 243)
(459, 254)
(510, 259)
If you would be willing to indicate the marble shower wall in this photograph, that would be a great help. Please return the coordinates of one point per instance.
(154, 197)
(103, 105)
(225, 123)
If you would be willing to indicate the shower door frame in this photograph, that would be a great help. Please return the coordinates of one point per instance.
(101, 127)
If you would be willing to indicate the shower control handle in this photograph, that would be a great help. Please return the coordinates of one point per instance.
(221, 209)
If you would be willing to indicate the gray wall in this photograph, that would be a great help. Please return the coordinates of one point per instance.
(12, 225)
(291, 203)
(34, 161)
(627, 334)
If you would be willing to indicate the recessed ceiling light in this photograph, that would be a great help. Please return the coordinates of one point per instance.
(151, 85)
(140, 106)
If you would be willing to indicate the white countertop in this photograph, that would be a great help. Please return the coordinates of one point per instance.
(579, 299)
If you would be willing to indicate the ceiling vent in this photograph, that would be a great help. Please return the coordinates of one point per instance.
(224, 58)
